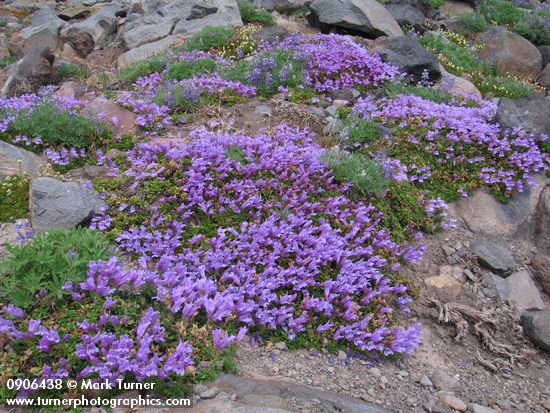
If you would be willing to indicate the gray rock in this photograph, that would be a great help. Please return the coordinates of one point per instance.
(498, 284)
(523, 294)
(148, 50)
(226, 14)
(425, 381)
(270, 34)
(531, 113)
(56, 204)
(477, 408)
(536, 326)
(545, 53)
(96, 30)
(143, 33)
(209, 393)
(409, 56)
(442, 381)
(263, 110)
(44, 31)
(282, 6)
(333, 127)
(544, 77)
(14, 160)
(405, 14)
(363, 16)
(493, 256)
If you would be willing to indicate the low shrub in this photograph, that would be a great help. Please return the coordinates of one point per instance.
(71, 70)
(366, 175)
(253, 14)
(39, 269)
(184, 69)
(474, 22)
(14, 198)
(143, 68)
(210, 37)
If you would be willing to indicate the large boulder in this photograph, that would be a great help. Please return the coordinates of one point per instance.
(28, 74)
(493, 256)
(367, 17)
(57, 204)
(536, 326)
(15, 160)
(510, 53)
(43, 32)
(226, 14)
(544, 77)
(531, 113)
(545, 53)
(410, 57)
(406, 15)
(147, 30)
(541, 270)
(121, 120)
(96, 30)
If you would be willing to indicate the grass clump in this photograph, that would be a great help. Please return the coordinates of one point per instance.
(42, 266)
(475, 22)
(6, 61)
(208, 38)
(57, 127)
(186, 69)
(435, 4)
(253, 14)
(143, 68)
(14, 198)
(394, 89)
(71, 70)
(366, 175)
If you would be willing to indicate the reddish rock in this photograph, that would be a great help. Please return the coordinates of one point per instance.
(71, 89)
(103, 59)
(120, 119)
(541, 270)
(513, 54)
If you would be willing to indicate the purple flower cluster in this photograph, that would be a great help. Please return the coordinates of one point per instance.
(293, 255)
(459, 135)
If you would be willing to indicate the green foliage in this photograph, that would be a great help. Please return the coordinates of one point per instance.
(501, 12)
(70, 70)
(6, 61)
(186, 69)
(435, 4)
(535, 27)
(366, 175)
(47, 262)
(474, 22)
(363, 131)
(299, 12)
(208, 38)
(458, 57)
(58, 127)
(143, 68)
(435, 95)
(14, 198)
(253, 14)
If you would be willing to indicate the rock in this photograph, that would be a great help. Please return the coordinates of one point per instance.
(482, 214)
(522, 292)
(409, 56)
(209, 393)
(545, 53)
(442, 381)
(226, 14)
(458, 86)
(263, 110)
(9, 236)
(44, 31)
(536, 326)
(147, 30)
(56, 204)
(281, 346)
(104, 59)
(498, 284)
(541, 270)
(531, 113)
(406, 15)
(147, 50)
(446, 283)
(477, 408)
(282, 6)
(120, 119)
(510, 53)
(493, 256)
(456, 8)
(333, 127)
(453, 402)
(363, 16)
(72, 13)
(544, 77)
(454, 25)
(71, 89)
(541, 221)
(270, 34)
(96, 30)
(28, 74)
(425, 381)
(14, 160)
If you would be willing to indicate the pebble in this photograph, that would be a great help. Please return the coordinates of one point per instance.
(442, 381)
(383, 380)
(281, 345)
(546, 404)
(425, 381)
(448, 250)
(375, 371)
(453, 402)
(210, 393)
(477, 408)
